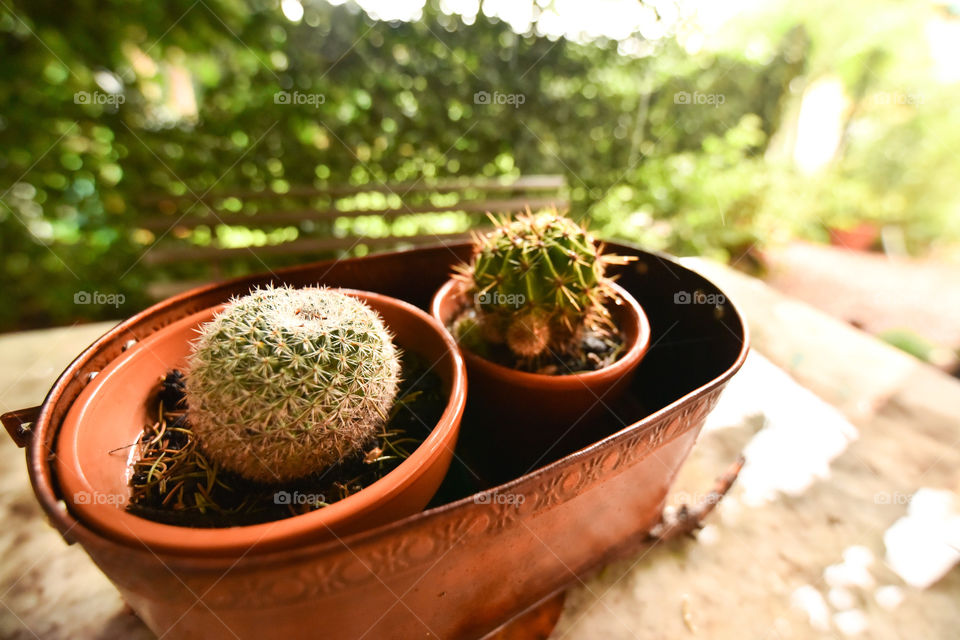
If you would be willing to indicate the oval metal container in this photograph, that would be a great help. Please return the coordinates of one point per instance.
(498, 543)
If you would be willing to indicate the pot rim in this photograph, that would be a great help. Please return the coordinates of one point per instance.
(636, 349)
(132, 530)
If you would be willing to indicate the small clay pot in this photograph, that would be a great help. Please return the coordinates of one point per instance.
(95, 446)
(538, 413)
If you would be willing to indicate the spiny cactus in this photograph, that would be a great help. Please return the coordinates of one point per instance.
(284, 382)
(535, 283)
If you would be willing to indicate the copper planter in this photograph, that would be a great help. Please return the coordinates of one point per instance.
(463, 568)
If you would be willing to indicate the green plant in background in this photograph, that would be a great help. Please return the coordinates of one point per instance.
(706, 202)
(285, 382)
(536, 283)
(199, 111)
(181, 98)
(896, 159)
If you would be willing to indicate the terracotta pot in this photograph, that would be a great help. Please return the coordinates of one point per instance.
(94, 446)
(559, 412)
(859, 238)
(485, 554)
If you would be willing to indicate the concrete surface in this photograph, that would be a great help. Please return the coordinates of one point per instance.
(840, 432)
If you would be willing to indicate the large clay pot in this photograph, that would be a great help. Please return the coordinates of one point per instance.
(94, 446)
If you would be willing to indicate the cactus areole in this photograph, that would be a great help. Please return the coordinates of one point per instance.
(537, 285)
(285, 382)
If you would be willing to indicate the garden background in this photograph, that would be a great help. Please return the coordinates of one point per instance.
(676, 128)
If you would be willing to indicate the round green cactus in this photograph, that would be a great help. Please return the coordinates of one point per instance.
(536, 282)
(285, 382)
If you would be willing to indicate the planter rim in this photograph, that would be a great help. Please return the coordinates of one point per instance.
(633, 354)
(133, 530)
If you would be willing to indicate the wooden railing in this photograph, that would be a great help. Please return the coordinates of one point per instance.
(321, 221)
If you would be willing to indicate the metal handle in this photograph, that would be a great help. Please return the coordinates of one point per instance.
(19, 424)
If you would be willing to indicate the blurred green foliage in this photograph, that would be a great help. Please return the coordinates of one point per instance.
(398, 105)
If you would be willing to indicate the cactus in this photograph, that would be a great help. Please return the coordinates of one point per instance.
(285, 382)
(536, 282)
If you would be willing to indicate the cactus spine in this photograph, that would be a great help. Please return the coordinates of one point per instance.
(536, 282)
(284, 382)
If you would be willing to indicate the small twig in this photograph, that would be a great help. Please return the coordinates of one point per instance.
(690, 518)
